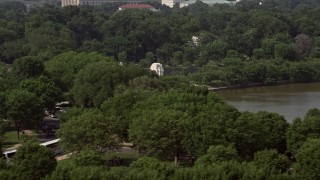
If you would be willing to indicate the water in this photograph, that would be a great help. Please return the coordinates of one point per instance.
(290, 100)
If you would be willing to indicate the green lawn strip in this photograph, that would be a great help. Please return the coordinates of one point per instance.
(126, 158)
(11, 138)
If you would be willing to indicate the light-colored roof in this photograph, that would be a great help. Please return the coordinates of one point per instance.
(42, 144)
(10, 151)
(50, 142)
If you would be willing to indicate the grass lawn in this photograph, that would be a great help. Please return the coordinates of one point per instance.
(126, 157)
(10, 139)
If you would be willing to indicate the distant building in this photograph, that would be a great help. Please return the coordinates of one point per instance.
(169, 3)
(98, 2)
(157, 67)
(137, 6)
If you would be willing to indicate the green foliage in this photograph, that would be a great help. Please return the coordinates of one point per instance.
(96, 82)
(300, 130)
(218, 154)
(165, 116)
(158, 132)
(271, 160)
(70, 113)
(284, 51)
(27, 67)
(149, 168)
(64, 67)
(119, 107)
(49, 39)
(43, 88)
(33, 161)
(24, 109)
(85, 159)
(305, 71)
(89, 131)
(171, 121)
(308, 157)
(256, 132)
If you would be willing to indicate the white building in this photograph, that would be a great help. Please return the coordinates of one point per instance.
(169, 3)
(157, 67)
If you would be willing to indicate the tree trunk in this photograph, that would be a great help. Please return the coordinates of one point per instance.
(18, 133)
(176, 160)
(18, 130)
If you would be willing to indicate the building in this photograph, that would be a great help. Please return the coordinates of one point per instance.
(157, 67)
(98, 2)
(138, 6)
(169, 3)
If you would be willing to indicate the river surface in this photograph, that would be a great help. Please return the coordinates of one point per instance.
(289, 100)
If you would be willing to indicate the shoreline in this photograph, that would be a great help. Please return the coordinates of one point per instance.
(210, 88)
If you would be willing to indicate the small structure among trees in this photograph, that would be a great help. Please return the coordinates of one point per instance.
(157, 67)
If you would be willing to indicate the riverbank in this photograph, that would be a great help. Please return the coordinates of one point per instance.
(249, 85)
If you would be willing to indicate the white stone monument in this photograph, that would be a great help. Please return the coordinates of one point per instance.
(157, 67)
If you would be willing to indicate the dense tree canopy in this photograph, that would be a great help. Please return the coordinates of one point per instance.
(308, 159)
(97, 59)
(88, 131)
(97, 81)
(300, 130)
(24, 109)
(33, 161)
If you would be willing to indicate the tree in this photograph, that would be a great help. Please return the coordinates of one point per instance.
(217, 154)
(217, 49)
(300, 130)
(64, 67)
(24, 109)
(6, 35)
(212, 125)
(12, 50)
(284, 51)
(150, 168)
(271, 160)
(33, 162)
(49, 39)
(29, 66)
(118, 109)
(122, 57)
(204, 120)
(302, 45)
(256, 132)
(43, 88)
(267, 47)
(96, 82)
(308, 159)
(4, 78)
(159, 132)
(304, 71)
(88, 131)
